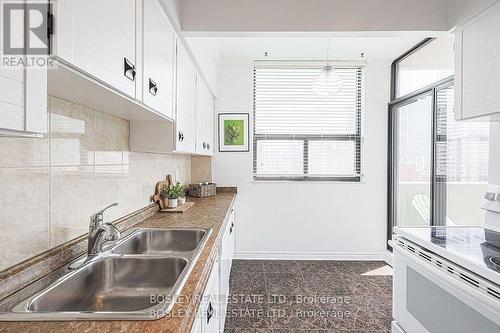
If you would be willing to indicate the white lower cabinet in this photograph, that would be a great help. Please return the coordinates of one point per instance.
(211, 314)
(210, 309)
(227, 252)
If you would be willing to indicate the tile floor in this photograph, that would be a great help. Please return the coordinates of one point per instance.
(309, 296)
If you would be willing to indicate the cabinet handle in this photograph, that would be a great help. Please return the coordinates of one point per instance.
(204, 145)
(181, 136)
(210, 312)
(232, 227)
(153, 87)
(208, 146)
(128, 69)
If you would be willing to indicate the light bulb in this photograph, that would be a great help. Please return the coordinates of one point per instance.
(328, 82)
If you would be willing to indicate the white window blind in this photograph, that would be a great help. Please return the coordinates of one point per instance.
(300, 135)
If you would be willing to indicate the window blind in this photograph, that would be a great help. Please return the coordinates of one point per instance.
(301, 135)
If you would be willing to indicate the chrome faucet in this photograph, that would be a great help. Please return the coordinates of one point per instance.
(100, 232)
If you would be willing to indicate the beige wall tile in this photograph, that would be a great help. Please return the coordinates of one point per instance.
(24, 152)
(24, 202)
(183, 168)
(91, 168)
(111, 133)
(201, 169)
(112, 184)
(111, 138)
(71, 133)
(71, 202)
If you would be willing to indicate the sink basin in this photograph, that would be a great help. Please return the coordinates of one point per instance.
(112, 284)
(137, 278)
(153, 241)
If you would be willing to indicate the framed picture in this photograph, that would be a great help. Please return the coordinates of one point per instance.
(233, 132)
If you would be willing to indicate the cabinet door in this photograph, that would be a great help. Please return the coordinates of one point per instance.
(204, 119)
(210, 305)
(209, 124)
(480, 65)
(201, 116)
(186, 102)
(158, 61)
(23, 100)
(99, 37)
(227, 252)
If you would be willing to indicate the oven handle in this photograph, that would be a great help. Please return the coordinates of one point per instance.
(467, 294)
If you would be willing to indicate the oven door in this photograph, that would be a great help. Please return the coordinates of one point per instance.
(427, 299)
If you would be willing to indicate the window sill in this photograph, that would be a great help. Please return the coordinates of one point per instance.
(302, 181)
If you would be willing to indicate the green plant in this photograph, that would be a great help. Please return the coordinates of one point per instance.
(180, 189)
(170, 192)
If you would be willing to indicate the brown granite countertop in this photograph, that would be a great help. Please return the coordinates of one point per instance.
(206, 213)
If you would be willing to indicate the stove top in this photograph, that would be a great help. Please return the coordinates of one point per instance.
(474, 245)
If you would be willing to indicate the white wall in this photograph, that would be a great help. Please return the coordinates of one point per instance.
(314, 15)
(309, 220)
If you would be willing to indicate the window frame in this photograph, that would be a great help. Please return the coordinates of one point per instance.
(437, 192)
(357, 138)
(395, 64)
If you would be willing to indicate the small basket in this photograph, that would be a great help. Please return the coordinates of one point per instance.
(202, 190)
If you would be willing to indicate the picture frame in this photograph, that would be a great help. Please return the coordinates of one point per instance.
(234, 132)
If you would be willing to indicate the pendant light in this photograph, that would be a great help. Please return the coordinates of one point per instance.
(328, 82)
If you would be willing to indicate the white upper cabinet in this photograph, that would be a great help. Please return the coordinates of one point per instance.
(99, 38)
(23, 101)
(204, 119)
(158, 61)
(186, 102)
(477, 67)
(123, 57)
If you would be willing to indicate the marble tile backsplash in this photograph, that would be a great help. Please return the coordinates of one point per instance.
(50, 186)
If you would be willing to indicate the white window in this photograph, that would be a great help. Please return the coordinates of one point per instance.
(300, 134)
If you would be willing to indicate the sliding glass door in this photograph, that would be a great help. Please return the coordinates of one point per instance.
(438, 167)
(414, 160)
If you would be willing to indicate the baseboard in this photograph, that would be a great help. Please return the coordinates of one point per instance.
(372, 256)
(388, 258)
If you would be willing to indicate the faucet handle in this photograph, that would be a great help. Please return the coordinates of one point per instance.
(97, 217)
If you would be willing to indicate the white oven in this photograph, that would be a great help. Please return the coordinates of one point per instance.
(433, 295)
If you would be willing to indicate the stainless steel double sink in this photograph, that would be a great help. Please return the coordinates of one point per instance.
(137, 277)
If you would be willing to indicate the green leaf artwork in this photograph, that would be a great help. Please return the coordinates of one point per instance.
(234, 132)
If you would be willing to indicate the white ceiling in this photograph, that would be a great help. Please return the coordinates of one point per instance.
(240, 49)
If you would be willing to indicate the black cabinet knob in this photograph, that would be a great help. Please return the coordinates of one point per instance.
(128, 69)
(153, 87)
(181, 136)
(210, 312)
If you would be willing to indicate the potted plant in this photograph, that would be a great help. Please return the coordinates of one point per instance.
(169, 196)
(181, 191)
